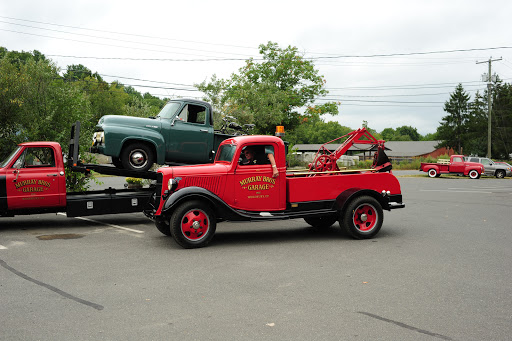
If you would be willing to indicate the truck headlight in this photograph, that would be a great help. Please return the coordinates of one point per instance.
(98, 137)
(172, 184)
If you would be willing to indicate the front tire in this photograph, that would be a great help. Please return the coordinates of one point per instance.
(363, 217)
(137, 156)
(193, 224)
(500, 174)
(473, 174)
(322, 222)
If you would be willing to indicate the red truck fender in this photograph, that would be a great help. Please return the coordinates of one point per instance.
(219, 207)
(350, 194)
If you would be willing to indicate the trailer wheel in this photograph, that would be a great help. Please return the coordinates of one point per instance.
(473, 174)
(500, 174)
(432, 173)
(363, 217)
(322, 222)
(163, 226)
(193, 224)
(137, 156)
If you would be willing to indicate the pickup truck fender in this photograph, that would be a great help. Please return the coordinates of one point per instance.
(346, 196)
(119, 137)
(220, 208)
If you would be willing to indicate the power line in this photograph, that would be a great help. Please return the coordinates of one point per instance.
(128, 34)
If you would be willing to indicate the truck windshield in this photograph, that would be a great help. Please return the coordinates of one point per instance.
(169, 110)
(6, 161)
(226, 152)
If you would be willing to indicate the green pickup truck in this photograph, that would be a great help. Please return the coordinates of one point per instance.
(181, 133)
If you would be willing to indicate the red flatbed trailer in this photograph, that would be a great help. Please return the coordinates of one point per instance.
(193, 199)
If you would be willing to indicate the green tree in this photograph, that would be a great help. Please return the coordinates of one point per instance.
(313, 130)
(271, 92)
(37, 105)
(410, 132)
(453, 126)
(501, 117)
(476, 135)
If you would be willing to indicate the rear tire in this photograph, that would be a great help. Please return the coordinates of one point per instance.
(432, 173)
(193, 224)
(363, 217)
(322, 222)
(500, 174)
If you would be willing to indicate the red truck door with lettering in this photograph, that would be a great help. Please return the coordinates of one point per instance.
(34, 181)
(255, 188)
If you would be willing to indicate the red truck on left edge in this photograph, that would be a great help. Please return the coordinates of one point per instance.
(33, 180)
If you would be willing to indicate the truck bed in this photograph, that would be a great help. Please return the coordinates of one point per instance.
(329, 186)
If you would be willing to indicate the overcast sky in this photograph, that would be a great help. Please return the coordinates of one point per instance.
(391, 63)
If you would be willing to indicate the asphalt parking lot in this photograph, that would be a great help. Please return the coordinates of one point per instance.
(440, 269)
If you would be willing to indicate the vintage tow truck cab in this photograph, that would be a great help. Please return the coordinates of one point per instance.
(193, 199)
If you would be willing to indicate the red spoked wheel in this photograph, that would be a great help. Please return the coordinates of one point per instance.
(363, 217)
(324, 163)
(193, 224)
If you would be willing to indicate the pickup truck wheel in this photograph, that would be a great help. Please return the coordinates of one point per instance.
(432, 173)
(193, 224)
(164, 227)
(500, 174)
(322, 222)
(474, 174)
(363, 217)
(137, 156)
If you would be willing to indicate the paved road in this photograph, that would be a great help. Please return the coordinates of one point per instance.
(440, 269)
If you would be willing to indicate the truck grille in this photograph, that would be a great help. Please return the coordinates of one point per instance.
(207, 182)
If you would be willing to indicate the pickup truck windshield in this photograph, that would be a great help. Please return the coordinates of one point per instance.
(7, 159)
(169, 110)
(226, 152)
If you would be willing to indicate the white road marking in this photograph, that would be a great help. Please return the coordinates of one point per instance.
(452, 191)
(2, 247)
(107, 224)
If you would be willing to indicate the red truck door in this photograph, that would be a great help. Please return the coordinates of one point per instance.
(457, 165)
(255, 188)
(34, 181)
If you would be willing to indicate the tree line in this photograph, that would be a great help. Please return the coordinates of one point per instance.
(39, 101)
(465, 126)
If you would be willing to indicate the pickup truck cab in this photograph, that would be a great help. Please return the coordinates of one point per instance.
(456, 165)
(491, 168)
(192, 199)
(181, 133)
(33, 180)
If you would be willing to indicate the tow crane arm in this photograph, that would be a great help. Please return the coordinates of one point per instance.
(325, 160)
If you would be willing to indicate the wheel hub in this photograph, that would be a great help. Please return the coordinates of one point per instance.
(363, 217)
(196, 225)
(138, 158)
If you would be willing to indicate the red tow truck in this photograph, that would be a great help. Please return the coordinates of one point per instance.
(190, 200)
(33, 180)
(456, 165)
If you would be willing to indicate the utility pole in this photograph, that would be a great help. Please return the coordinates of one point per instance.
(489, 85)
